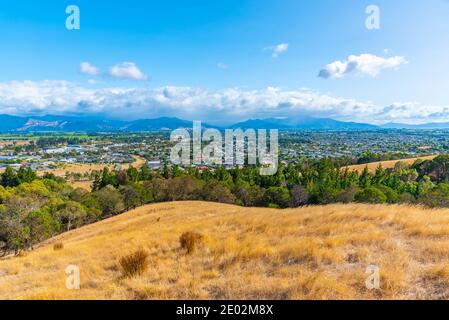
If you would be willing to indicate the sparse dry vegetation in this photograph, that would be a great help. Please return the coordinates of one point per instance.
(317, 252)
(134, 264)
(190, 240)
(58, 246)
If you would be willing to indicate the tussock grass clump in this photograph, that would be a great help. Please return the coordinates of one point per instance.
(190, 241)
(58, 246)
(134, 264)
(22, 254)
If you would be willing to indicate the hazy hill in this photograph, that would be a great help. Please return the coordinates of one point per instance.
(425, 126)
(305, 123)
(9, 123)
(248, 253)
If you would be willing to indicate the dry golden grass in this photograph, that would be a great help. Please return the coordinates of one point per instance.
(89, 167)
(246, 253)
(386, 164)
(86, 185)
(58, 246)
(190, 241)
(134, 264)
(14, 143)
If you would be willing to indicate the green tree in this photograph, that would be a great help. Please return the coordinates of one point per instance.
(437, 196)
(278, 197)
(145, 173)
(9, 178)
(365, 179)
(71, 215)
(26, 174)
(299, 196)
(41, 226)
(371, 195)
(110, 200)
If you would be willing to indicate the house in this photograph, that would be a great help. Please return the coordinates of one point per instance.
(154, 165)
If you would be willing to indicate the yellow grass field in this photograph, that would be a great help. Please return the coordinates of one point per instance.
(386, 164)
(14, 142)
(83, 168)
(247, 253)
(86, 185)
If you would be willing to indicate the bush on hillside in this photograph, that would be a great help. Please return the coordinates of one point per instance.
(371, 195)
(190, 241)
(134, 264)
(58, 246)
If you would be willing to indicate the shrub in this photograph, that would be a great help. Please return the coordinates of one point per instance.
(299, 196)
(22, 254)
(134, 264)
(392, 195)
(436, 197)
(347, 195)
(58, 246)
(110, 201)
(278, 196)
(251, 196)
(216, 192)
(371, 195)
(190, 240)
(406, 198)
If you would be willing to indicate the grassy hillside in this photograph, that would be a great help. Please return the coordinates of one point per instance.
(386, 164)
(307, 253)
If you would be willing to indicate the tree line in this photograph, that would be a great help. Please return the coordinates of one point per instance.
(309, 182)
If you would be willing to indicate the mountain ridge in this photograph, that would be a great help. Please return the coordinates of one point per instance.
(10, 123)
(424, 126)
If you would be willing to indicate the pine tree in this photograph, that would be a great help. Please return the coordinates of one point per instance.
(9, 178)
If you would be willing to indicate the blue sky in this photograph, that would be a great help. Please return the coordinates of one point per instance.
(208, 59)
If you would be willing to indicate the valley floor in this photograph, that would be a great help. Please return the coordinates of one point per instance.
(247, 253)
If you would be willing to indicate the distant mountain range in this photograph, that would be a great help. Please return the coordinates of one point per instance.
(306, 123)
(10, 123)
(88, 124)
(425, 126)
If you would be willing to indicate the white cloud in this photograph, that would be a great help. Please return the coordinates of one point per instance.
(364, 64)
(222, 66)
(277, 49)
(89, 69)
(228, 105)
(128, 71)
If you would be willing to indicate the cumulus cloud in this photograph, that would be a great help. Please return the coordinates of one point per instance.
(228, 105)
(89, 69)
(277, 49)
(127, 71)
(364, 64)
